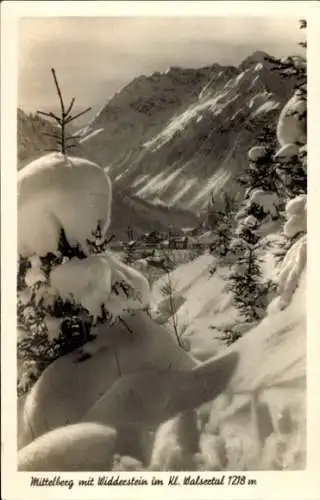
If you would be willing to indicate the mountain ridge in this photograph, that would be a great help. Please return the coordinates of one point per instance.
(176, 138)
(180, 135)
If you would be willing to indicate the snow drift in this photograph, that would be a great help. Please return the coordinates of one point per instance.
(81, 447)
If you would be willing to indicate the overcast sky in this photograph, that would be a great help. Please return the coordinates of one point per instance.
(94, 57)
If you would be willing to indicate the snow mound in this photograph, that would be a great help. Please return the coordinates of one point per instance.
(56, 192)
(292, 126)
(297, 205)
(81, 447)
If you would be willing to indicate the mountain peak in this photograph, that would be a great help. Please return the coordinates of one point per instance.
(259, 56)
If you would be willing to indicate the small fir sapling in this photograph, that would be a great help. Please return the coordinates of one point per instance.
(179, 329)
(221, 223)
(64, 141)
(245, 281)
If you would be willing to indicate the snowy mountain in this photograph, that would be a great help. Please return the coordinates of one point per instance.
(179, 135)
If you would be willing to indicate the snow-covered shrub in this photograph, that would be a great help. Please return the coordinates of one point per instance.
(260, 172)
(67, 283)
(292, 174)
(292, 124)
(56, 192)
(258, 153)
(292, 127)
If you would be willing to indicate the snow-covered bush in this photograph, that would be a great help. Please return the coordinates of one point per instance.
(260, 173)
(292, 124)
(67, 283)
(258, 153)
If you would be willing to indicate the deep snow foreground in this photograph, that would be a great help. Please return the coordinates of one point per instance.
(272, 355)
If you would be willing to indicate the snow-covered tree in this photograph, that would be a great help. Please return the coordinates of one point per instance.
(291, 159)
(245, 281)
(294, 65)
(260, 173)
(68, 284)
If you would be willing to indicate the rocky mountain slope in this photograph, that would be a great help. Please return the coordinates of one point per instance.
(33, 140)
(179, 135)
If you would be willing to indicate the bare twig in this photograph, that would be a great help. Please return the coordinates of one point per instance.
(71, 118)
(70, 106)
(50, 115)
(59, 92)
(55, 136)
